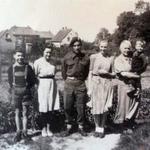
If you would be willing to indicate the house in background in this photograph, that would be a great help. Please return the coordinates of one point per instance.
(63, 37)
(47, 36)
(14, 38)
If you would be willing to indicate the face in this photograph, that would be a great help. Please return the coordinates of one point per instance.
(47, 53)
(139, 46)
(103, 46)
(19, 57)
(77, 47)
(126, 49)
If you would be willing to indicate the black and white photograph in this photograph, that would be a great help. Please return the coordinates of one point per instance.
(74, 74)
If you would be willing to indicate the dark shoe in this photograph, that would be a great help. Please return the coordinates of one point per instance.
(128, 131)
(25, 136)
(17, 137)
(67, 132)
(82, 132)
(99, 134)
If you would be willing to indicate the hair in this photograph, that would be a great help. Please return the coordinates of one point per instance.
(140, 40)
(19, 51)
(75, 39)
(48, 45)
(123, 43)
(102, 41)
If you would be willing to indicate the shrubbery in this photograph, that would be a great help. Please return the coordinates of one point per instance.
(139, 140)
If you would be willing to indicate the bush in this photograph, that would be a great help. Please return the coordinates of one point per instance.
(139, 140)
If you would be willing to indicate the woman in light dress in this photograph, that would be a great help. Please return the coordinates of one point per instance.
(101, 89)
(127, 103)
(48, 96)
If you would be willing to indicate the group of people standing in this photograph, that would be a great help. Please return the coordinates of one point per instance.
(102, 71)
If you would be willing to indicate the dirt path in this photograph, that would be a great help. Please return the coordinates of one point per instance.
(73, 142)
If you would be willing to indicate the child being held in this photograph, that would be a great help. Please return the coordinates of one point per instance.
(138, 66)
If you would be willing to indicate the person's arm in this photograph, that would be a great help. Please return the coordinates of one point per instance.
(89, 81)
(112, 69)
(10, 76)
(36, 72)
(145, 64)
(87, 68)
(129, 74)
(31, 79)
(97, 70)
(64, 69)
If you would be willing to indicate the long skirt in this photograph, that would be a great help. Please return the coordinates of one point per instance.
(48, 95)
(102, 95)
(127, 105)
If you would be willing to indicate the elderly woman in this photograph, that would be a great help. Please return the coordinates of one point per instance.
(127, 103)
(102, 89)
(48, 97)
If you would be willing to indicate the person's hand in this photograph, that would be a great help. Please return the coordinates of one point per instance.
(89, 93)
(36, 86)
(129, 75)
(103, 72)
(113, 74)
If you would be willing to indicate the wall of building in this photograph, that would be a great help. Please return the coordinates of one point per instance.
(69, 37)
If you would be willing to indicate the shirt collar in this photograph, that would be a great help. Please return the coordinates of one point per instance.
(74, 55)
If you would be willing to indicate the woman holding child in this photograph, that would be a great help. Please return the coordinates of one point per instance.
(128, 98)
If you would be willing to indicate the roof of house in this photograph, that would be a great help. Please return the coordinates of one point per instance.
(45, 34)
(61, 35)
(2, 33)
(23, 31)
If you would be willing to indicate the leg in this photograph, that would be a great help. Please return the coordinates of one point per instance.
(80, 96)
(44, 124)
(103, 121)
(24, 117)
(99, 120)
(25, 122)
(18, 125)
(49, 115)
(18, 119)
(69, 104)
(80, 104)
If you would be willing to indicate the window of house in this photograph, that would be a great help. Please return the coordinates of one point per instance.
(8, 37)
(68, 38)
(28, 48)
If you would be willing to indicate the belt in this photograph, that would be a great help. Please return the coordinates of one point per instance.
(94, 74)
(103, 76)
(47, 77)
(72, 78)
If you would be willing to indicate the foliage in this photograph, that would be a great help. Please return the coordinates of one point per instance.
(132, 26)
(141, 6)
(139, 140)
(102, 35)
(126, 22)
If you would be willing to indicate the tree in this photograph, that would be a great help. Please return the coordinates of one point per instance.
(102, 35)
(144, 25)
(141, 7)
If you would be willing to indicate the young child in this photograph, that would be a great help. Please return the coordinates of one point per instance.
(138, 66)
(21, 79)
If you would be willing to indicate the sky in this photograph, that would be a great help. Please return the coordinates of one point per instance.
(86, 17)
